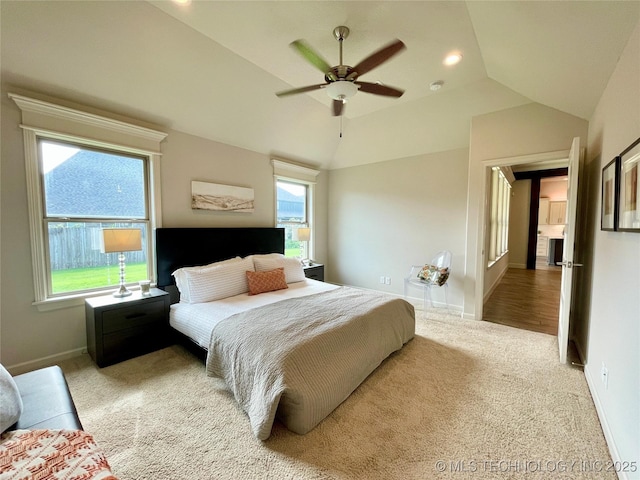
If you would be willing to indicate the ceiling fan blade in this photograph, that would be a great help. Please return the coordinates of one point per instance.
(376, 58)
(378, 89)
(300, 90)
(311, 56)
(338, 108)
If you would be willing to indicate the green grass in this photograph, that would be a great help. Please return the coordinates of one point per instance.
(75, 279)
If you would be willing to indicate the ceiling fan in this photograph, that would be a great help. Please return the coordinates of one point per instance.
(341, 81)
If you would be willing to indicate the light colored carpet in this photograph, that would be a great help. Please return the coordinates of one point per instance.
(486, 400)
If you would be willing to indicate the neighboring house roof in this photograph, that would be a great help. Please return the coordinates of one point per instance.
(96, 184)
(289, 205)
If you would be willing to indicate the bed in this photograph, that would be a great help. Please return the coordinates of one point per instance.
(294, 349)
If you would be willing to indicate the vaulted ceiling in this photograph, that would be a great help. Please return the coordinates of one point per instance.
(212, 68)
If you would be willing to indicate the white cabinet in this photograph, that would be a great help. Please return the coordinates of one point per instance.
(557, 213)
(543, 211)
(542, 247)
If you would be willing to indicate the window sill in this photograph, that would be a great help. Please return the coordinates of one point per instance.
(493, 262)
(71, 301)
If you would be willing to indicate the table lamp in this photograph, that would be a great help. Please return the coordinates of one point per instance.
(121, 240)
(304, 235)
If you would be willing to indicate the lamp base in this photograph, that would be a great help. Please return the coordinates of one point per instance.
(122, 292)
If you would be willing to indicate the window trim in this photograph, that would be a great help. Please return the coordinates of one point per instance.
(47, 120)
(291, 172)
(308, 216)
(499, 209)
(306, 202)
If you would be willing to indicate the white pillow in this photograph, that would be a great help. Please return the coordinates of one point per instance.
(293, 270)
(217, 282)
(10, 400)
(266, 256)
(181, 280)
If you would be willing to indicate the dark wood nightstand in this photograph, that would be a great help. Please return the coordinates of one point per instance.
(315, 271)
(123, 328)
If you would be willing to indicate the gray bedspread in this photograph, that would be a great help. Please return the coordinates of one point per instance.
(300, 358)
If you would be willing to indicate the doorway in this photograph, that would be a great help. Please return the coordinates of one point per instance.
(479, 253)
(527, 295)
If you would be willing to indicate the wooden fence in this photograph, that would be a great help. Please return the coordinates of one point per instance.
(80, 248)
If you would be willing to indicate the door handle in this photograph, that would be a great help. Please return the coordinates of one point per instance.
(571, 264)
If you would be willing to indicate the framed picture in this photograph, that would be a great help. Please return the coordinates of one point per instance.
(212, 196)
(629, 193)
(610, 186)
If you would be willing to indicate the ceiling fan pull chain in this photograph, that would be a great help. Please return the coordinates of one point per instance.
(340, 126)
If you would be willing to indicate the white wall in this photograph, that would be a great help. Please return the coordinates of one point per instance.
(30, 338)
(612, 300)
(386, 216)
(187, 157)
(525, 130)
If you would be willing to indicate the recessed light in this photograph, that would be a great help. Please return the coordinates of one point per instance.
(437, 85)
(182, 2)
(452, 58)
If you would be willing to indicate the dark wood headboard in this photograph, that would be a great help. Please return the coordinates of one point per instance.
(188, 247)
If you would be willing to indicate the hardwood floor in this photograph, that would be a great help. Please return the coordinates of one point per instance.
(527, 299)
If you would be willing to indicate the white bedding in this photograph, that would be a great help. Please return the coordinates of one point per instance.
(197, 320)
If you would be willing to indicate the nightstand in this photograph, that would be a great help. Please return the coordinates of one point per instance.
(123, 328)
(315, 271)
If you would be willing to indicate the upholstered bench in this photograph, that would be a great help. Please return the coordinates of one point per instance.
(46, 401)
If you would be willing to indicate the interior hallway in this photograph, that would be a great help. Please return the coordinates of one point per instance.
(527, 299)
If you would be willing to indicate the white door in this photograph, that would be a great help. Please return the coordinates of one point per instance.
(566, 283)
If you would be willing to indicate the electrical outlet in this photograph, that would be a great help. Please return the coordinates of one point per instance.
(382, 279)
(604, 375)
(387, 280)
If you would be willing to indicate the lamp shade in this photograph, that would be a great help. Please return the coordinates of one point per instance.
(304, 234)
(121, 239)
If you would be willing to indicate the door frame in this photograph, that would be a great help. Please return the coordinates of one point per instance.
(536, 177)
(481, 261)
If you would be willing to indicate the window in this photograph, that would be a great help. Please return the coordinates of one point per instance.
(85, 173)
(84, 191)
(294, 188)
(291, 214)
(500, 201)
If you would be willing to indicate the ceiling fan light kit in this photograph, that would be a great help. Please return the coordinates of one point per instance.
(341, 81)
(342, 90)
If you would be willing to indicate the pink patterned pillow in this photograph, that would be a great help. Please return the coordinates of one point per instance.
(267, 281)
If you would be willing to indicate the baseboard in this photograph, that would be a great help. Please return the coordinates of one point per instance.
(521, 266)
(20, 368)
(418, 303)
(608, 436)
(494, 286)
(415, 301)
